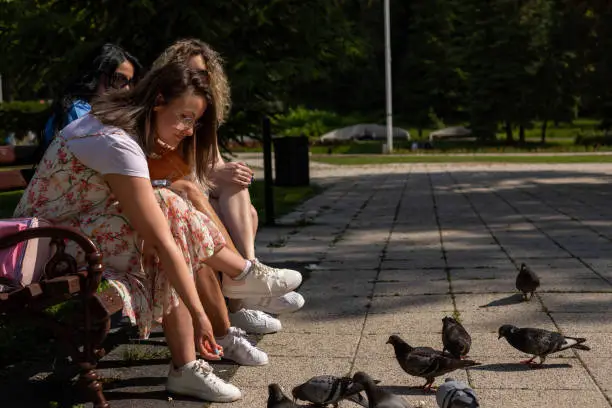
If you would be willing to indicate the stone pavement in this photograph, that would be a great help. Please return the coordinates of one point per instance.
(398, 247)
(394, 248)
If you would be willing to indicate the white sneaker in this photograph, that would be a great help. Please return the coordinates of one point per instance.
(263, 281)
(236, 347)
(196, 379)
(287, 303)
(255, 321)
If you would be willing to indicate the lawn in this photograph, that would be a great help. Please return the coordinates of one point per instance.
(559, 138)
(362, 160)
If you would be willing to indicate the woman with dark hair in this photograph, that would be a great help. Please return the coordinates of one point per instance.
(108, 67)
(156, 247)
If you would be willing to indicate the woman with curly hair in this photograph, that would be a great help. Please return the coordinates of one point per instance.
(228, 195)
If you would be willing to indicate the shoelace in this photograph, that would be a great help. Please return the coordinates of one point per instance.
(239, 336)
(206, 370)
(264, 271)
(202, 367)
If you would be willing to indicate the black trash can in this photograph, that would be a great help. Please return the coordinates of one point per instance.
(291, 161)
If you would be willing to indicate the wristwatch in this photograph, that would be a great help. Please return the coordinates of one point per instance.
(160, 183)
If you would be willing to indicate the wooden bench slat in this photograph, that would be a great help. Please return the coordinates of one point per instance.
(12, 180)
(62, 285)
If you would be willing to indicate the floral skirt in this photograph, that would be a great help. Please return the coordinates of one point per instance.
(146, 292)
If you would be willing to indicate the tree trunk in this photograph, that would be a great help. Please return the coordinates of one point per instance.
(543, 135)
(420, 133)
(521, 134)
(509, 136)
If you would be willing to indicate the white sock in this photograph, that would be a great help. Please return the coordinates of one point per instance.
(245, 271)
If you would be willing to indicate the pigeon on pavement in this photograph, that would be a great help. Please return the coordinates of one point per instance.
(328, 389)
(539, 342)
(277, 398)
(425, 361)
(527, 281)
(377, 396)
(457, 341)
(456, 394)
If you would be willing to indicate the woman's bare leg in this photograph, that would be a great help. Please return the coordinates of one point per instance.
(235, 210)
(209, 289)
(178, 329)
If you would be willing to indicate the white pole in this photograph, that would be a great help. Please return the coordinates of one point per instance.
(388, 78)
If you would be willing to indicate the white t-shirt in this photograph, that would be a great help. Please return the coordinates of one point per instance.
(105, 149)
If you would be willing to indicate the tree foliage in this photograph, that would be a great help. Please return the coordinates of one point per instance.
(486, 63)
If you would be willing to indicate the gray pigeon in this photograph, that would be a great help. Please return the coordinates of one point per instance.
(425, 361)
(378, 397)
(527, 281)
(456, 394)
(277, 398)
(539, 342)
(457, 341)
(323, 390)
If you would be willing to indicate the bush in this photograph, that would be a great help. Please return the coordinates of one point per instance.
(21, 117)
(312, 122)
(593, 140)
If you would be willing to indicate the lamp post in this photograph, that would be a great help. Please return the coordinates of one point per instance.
(388, 79)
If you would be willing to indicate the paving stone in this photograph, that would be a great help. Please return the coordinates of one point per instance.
(541, 398)
(600, 368)
(577, 302)
(303, 322)
(413, 322)
(557, 373)
(290, 371)
(488, 321)
(416, 303)
(317, 345)
(414, 287)
(493, 301)
(584, 322)
(409, 275)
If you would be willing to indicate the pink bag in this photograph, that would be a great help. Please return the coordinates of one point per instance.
(23, 263)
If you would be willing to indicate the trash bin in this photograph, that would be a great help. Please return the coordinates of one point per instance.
(291, 161)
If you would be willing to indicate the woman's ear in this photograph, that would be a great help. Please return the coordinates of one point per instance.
(159, 102)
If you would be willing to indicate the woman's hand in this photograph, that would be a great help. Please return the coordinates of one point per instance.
(233, 172)
(205, 339)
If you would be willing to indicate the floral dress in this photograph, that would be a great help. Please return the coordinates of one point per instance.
(67, 193)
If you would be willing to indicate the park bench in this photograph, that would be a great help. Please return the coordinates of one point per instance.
(84, 334)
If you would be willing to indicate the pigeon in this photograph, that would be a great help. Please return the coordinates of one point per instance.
(277, 398)
(456, 394)
(457, 341)
(378, 397)
(527, 281)
(323, 390)
(425, 361)
(539, 342)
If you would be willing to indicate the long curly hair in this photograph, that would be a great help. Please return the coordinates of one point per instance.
(182, 51)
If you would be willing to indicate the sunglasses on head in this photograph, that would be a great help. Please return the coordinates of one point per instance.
(120, 81)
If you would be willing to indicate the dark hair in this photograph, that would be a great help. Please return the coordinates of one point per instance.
(133, 112)
(99, 64)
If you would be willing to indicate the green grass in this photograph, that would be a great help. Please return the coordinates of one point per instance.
(356, 160)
